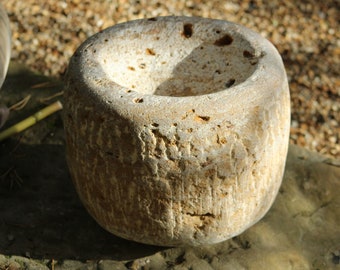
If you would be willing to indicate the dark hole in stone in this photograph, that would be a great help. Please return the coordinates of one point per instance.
(154, 124)
(101, 119)
(204, 118)
(230, 83)
(129, 264)
(150, 51)
(152, 19)
(187, 30)
(180, 259)
(201, 215)
(138, 100)
(223, 41)
(248, 54)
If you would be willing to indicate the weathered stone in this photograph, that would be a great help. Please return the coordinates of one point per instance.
(301, 231)
(177, 129)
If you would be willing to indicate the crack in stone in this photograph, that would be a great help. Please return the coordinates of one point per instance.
(201, 215)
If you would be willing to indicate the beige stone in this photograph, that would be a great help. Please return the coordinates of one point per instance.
(177, 129)
(301, 231)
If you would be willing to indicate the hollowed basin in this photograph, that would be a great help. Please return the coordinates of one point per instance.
(177, 129)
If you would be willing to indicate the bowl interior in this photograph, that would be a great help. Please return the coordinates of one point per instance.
(176, 57)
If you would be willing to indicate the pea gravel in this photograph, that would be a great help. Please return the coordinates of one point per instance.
(306, 33)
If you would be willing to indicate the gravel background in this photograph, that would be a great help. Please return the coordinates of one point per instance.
(306, 33)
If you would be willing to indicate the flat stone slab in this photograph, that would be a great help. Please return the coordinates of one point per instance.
(43, 223)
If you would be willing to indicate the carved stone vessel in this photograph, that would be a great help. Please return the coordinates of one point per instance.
(177, 129)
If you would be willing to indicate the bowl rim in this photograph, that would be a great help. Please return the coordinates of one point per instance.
(267, 78)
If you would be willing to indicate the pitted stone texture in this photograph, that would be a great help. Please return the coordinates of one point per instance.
(177, 129)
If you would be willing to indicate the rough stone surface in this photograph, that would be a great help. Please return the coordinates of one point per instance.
(42, 217)
(177, 129)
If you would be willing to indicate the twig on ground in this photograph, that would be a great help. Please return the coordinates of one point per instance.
(13, 178)
(46, 99)
(20, 105)
(44, 85)
(5, 111)
(31, 120)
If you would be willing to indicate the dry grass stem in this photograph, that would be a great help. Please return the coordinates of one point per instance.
(21, 104)
(31, 120)
(46, 99)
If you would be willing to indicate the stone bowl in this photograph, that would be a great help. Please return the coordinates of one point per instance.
(177, 129)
